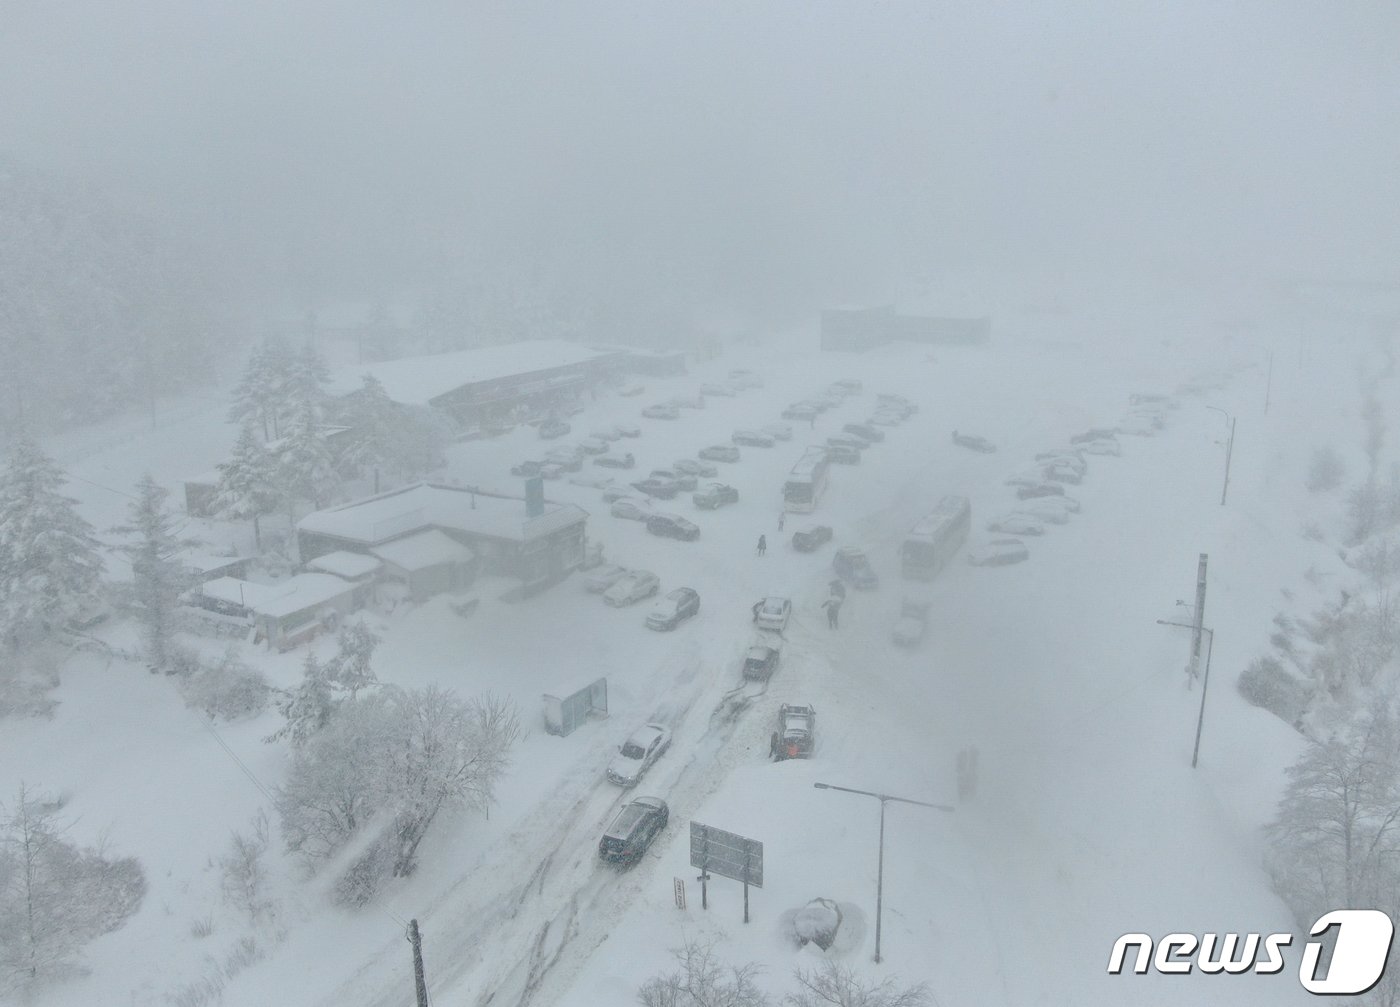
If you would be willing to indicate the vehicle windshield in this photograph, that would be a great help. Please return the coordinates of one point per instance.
(773, 606)
(798, 492)
(632, 750)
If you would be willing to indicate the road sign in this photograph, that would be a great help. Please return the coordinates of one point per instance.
(680, 893)
(718, 852)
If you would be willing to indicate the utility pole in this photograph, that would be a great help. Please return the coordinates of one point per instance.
(1197, 620)
(1229, 453)
(1269, 383)
(1205, 684)
(420, 984)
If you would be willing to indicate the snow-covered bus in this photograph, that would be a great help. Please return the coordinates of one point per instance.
(806, 482)
(936, 538)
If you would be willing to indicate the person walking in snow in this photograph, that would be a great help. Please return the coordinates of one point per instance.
(781, 515)
(762, 544)
(832, 606)
(756, 607)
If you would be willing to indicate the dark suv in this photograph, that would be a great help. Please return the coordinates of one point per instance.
(632, 831)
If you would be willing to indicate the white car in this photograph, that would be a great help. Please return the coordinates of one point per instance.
(661, 411)
(633, 588)
(593, 446)
(692, 467)
(605, 434)
(645, 745)
(773, 613)
(777, 431)
(998, 552)
(592, 480)
(604, 577)
(1033, 476)
(1039, 510)
(632, 509)
(752, 438)
(1102, 446)
(628, 429)
(912, 625)
(692, 401)
(1017, 524)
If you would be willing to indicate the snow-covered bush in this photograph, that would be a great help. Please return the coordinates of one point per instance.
(702, 981)
(243, 874)
(836, 985)
(817, 923)
(1268, 684)
(1326, 470)
(54, 895)
(229, 690)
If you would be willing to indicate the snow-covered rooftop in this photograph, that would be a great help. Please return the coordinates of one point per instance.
(419, 380)
(427, 548)
(428, 505)
(350, 565)
(305, 590)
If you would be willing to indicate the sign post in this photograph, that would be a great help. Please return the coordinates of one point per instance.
(728, 855)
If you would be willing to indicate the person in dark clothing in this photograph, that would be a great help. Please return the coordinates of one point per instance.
(833, 607)
(781, 514)
(762, 544)
(773, 748)
(756, 607)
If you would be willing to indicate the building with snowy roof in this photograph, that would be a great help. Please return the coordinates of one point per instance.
(289, 611)
(500, 534)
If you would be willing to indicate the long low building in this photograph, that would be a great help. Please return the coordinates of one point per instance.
(499, 532)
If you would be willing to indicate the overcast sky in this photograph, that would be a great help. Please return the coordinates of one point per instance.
(812, 148)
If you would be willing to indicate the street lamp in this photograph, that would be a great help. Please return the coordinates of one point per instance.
(1229, 451)
(1205, 680)
(880, 872)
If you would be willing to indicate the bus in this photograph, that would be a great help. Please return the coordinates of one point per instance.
(935, 539)
(806, 482)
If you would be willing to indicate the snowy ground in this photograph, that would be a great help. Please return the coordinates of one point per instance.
(1088, 822)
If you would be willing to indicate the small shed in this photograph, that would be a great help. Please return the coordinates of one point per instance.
(429, 562)
(355, 567)
(288, 612)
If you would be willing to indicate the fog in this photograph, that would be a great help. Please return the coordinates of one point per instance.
(761, 158)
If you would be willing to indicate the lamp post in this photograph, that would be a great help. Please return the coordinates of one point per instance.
(880, 871)
(1205, 681)
(1229, 451)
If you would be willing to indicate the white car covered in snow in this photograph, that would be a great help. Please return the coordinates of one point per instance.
(593, 480)
(774, 613)
(645, 745)
(632, 509)
(998, 552)
(604, 577)
(912, 624)
(632, 588)
(777, 431)
(1046, 509)
(1101, 446)
(1017, 524)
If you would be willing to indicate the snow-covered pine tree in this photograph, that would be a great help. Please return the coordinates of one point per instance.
(254, 396)
(306, 377)
(248, 482)
(381, 435)
(157, 578)
(308, 707)
(350, 669)
(50, 568)
(305, 467)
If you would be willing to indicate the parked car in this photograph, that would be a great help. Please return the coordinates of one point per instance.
(693, 467)
(1100, 446)
(797, 732)
(811, 539)
(1045, 510)
(777, 431)
(853, 566)
(592, 480)
(633, 588)
(632, 830)
(614, 492)
(1063, 471)
(715, 388)
(683, 480)
(773, 613)
(749, 379)
(973, 442)
(593, 446)
(851, 385)
(885, 420)
(713, 495)
(661, 411)
(526, 469)
(1031, 476)
(550, 429)
(552, 470)
(761, 660)
(843, 454)
(630, 391)
(1095, 434)
(1054, 504)
(614, 460)
(1039, 490)
(866, 431)
(752, 439)
(673, 526)
(566, 458)
(608, 434)
(690, 400)
(800, 412)
(661, 489)
(1017, 524)
(850, 441)
(999, 552)
(635, 755)
(604, 577)
(632, 509)
(912, 625)
(720, 453)
(672, 610)
(628, 429)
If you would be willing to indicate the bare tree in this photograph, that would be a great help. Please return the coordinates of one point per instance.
(839, 986)
(703, 981)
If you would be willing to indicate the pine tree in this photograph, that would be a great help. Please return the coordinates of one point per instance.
(255, 394)
(248, 482)
(305, 468)
(157, 578)
(308, 707)
(50, 568)
(350, 669)
(306, 375)
(380, 434)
